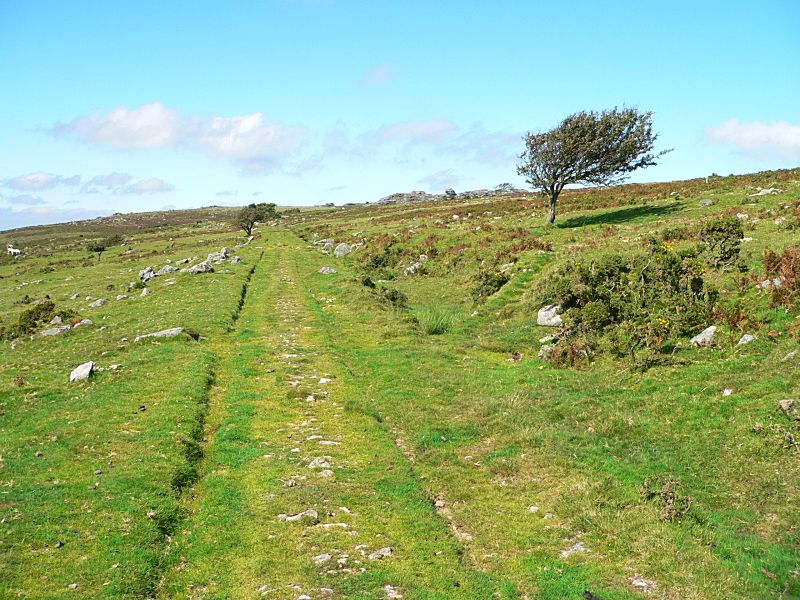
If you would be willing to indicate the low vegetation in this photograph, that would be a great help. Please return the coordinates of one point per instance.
(399, 423)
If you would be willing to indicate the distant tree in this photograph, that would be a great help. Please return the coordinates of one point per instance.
(249, 215)
(588, 148)
(98, 247)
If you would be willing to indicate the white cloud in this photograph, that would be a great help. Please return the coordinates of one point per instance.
(23, 200)
(35, 182)
(149, 126)
(441, 179)
(417, 132)
(148, 186)
(758, 138)
(227, 193)
(380, 75)
(251, 141)
(111, 182)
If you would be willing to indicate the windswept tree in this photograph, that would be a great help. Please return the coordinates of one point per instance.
(249, 215)
(588, 148)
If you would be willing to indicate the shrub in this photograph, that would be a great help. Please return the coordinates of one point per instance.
(392, 297)
(487, 282)
(722, 238)
(786, 269)
(629, 303)
(34, 317)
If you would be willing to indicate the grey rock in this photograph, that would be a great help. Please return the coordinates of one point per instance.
(83, 322)
(327, 270)
(145, 292)
(56, 320)
(307, 516)
(183, 261)
(450, 193)
(122, 297)
(319, 463)
(579, 547)
(146, 274)
(56, 330)
(236, 260)
(342, 250)
(546, 351)
(706, 202)
(766, 192)
(549, 316)
(705, 337)
(321, 559)
(789, 356)
(202, 267)
(791, 408)
(166, 269)
(74, 296)
(327, 247)
(381, 553)
(98, 303)
(165, 333)
(745, 339)
(82, 372)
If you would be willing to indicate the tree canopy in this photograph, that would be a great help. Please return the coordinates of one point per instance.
(588, 148)
(251, 214)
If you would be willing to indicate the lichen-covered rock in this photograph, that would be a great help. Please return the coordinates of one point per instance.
(164, 333)
(98, 303)
(549, 316)
(342, 250)
(82, 372)
(705, 337)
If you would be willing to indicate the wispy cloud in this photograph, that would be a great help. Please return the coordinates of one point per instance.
(441, 179)
(227, 193)
(379, 75)
(23, 200)
(148, 186)
(775, 139)
(251, 141)
(39, 180)
(417, 132)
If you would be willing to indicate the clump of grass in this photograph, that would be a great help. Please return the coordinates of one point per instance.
(435, 321)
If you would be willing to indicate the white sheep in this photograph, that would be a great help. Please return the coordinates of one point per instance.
(12, 251)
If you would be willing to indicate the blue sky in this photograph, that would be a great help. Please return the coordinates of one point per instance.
(136, 106)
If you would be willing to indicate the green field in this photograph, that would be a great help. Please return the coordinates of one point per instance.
(402, 411)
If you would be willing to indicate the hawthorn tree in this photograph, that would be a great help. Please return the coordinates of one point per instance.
(249, 215)
(588, 148)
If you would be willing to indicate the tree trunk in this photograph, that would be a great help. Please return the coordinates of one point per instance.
(551, 214)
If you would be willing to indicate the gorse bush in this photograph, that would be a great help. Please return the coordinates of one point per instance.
(630, 304)
(488, 281)
(33, 318)
(722, 238)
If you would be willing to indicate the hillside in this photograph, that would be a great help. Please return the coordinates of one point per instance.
(403, 426)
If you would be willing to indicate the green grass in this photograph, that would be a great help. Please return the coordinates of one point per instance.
(451, 442)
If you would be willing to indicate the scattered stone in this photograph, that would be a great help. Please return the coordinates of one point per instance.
(742, 216)
(327, 270)
(202, 267)
(706, 202)
(83, 322)
(546, 339)
(319, 463)
(165, 333)
(321, 559)
(145, 292)
(98, 303)
(307, 516)
(791, 408)
(641, 584)
(745, 339)
(533, 508)
(727, 392)
(342, 250)
(770, 283)
(236, 260)
(82, 372)
(56, 330)
(546, 351)
(183, 261)
(389, 590)
(73, 586)
(146, 274)
(705, 337)
(548, 316)
(74, 296)
(766, 192)
(579, 547)
(326, 473)
(780, 221)
(56, 320)
(166, 269)
(327, 246)
(381, 554)
(122, 297)
(789, 356)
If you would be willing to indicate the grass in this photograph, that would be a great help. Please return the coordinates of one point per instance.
(446, 438)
